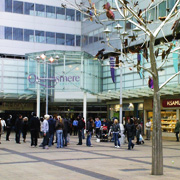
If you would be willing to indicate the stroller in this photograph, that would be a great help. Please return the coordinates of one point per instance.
(104, 133)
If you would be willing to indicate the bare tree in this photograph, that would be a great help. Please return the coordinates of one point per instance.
(138, 17)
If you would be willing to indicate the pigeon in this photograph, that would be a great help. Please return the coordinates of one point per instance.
(169, 50)
(176, 27)
(107, 6)
(133, 37)
(100, 54)
(156, 52)
(110, 15)
(163, 54)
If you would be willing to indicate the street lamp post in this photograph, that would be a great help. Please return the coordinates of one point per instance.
(45, 62)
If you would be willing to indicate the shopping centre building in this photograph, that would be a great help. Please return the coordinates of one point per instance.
(67, 75)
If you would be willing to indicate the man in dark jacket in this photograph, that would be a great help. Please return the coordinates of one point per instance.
(52, 124)
(81, 125)
(34, 126)
(18, 128)
(8, 127)
(130, 130)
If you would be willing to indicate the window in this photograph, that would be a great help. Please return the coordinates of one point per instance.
(50, 38)
(18, 7)
(70, 14)
(96, 35)
(50, 12)
(78, 40)
(8, 5)
(78, 16)
(69, 39)
(60, 38)
(60, 13)
(18, 34)
(28, 35)
(8, 33)
(162, 9)
(170, 4)
(40, 10)
(91, 38)
(29, 8)
(39, 35)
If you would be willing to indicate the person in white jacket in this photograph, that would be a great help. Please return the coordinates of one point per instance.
(45, 130)
(148, 129)
(3, 123)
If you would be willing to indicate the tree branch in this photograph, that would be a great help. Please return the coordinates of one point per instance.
(167, 19)
(169, 80)
(144, 27)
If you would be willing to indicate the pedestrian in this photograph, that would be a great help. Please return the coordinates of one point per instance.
(80, 128)
(130, 130)
(98, 125)
(45, 131)
(116, 133)
(176, 130)
(83, 136)
(65, 130)
(138, 132)
(59, 131)
(18, 128)
(89, 130)
(3, 123)
(8, 127)
(148, 129)
(52, 124)
(75, 125)
(0, 131)
(34, 126)
(24, 128)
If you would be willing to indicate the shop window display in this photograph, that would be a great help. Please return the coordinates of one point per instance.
(168, 120)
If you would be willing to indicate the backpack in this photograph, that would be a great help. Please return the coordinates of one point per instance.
(75, 123)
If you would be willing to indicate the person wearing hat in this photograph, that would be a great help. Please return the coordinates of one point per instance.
(176, 130)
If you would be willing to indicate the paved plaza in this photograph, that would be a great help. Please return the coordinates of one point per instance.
(102, 161)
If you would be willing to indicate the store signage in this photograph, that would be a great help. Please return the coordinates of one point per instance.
(171, 103)
(16, 106)
(58, 79)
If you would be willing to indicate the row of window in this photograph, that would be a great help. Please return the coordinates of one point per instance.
(40, 36)
(42, 10)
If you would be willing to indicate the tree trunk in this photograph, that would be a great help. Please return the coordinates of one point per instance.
(157, 153)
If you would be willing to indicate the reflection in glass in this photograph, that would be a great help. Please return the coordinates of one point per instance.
(18, 34)
(39, 36)
(40, 10)
(78, 40)
(8, 5)
(18, 7)
(60, 13)
(70, 14)
(69, 39)
(50, 12)
(29, 8)
(8, 33)
(60, 38)
(28, 35)
(50, 38)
